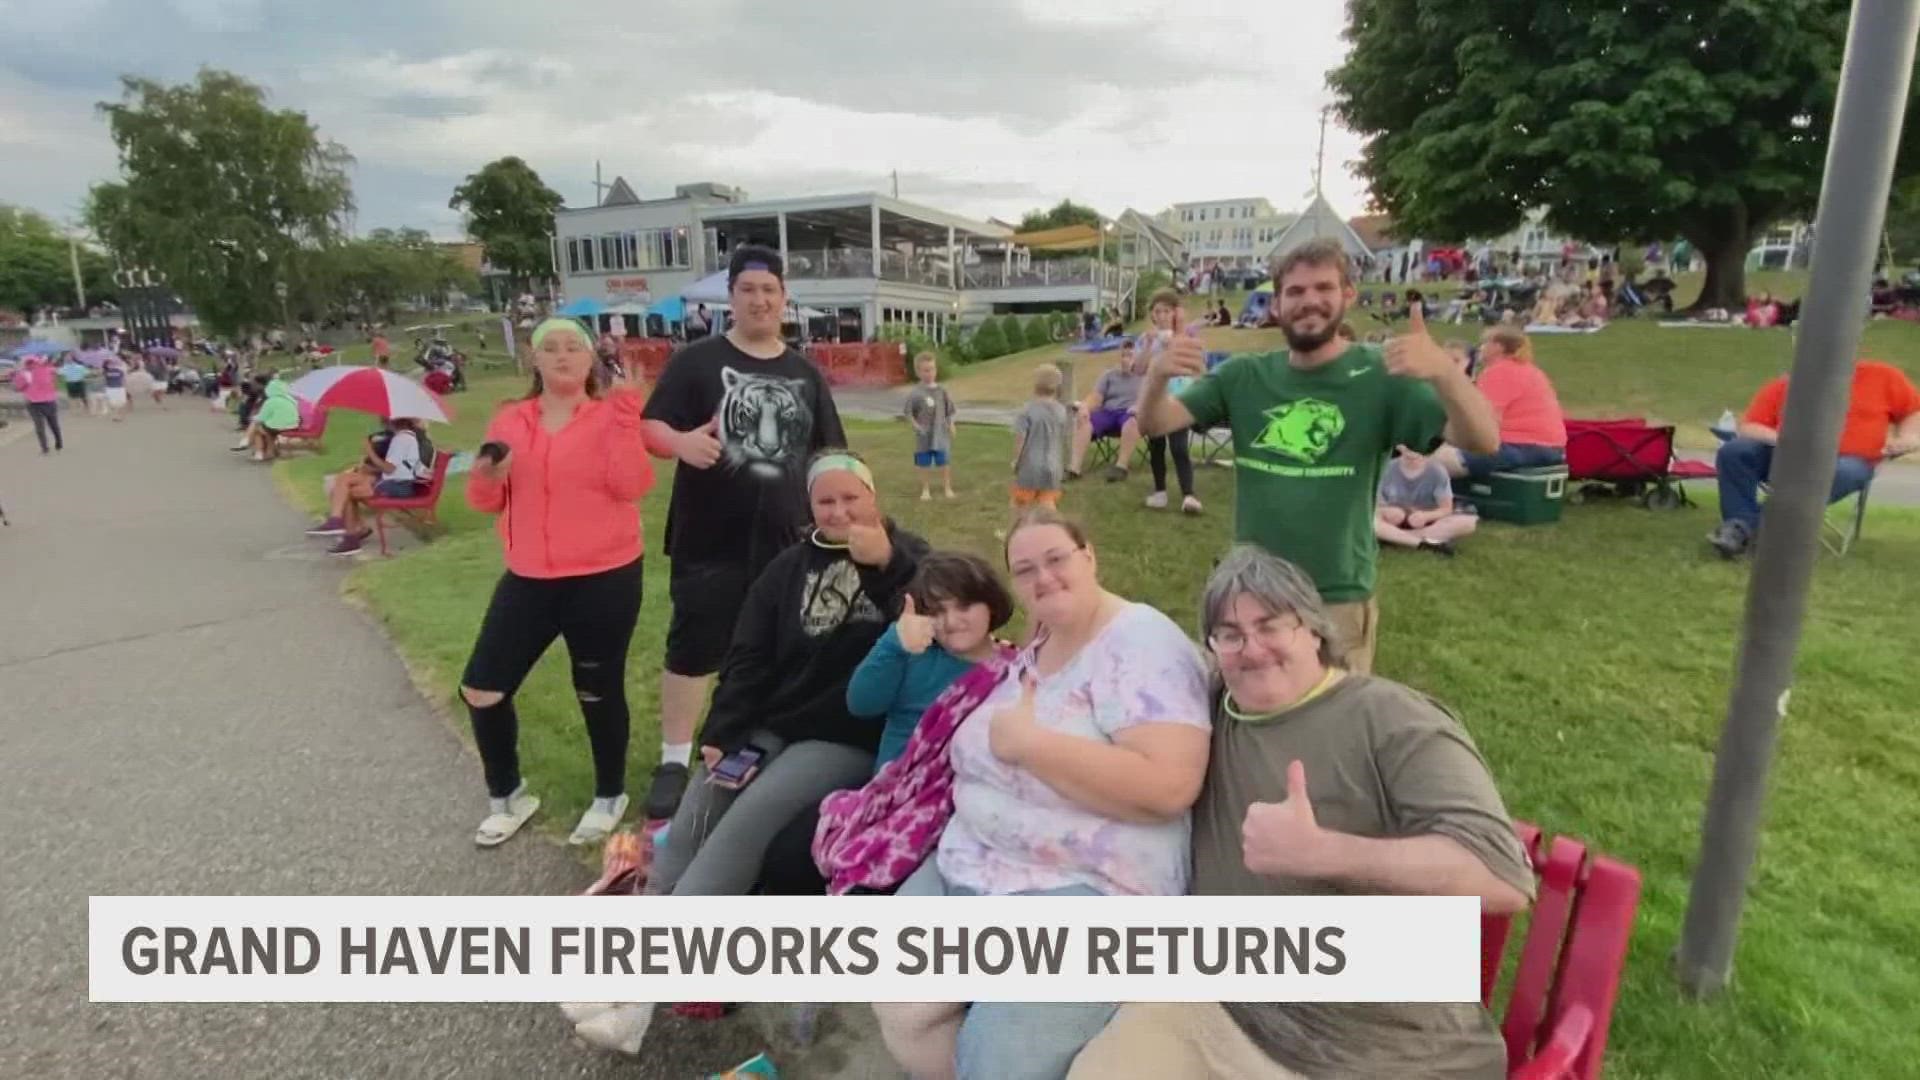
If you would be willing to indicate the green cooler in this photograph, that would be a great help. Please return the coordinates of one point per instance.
(1520, 497)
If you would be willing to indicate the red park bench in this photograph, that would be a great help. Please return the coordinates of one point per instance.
(1567, 976)
(422, 509)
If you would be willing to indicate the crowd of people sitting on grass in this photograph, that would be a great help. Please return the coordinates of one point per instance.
(870, 733)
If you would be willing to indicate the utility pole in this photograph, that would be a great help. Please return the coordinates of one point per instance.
(1867, 117)
(598, 187)
(1320, 157)
(896, 183)
(73, 257)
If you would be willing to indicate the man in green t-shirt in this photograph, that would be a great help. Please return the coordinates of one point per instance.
(1313, 426)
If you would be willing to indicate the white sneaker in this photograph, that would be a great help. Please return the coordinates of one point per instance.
(1157, 501)
(499, 828)
(596, 826)
(620, 1029)
(579, 1012)
(1190, 505)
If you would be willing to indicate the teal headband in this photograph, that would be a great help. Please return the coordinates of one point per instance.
(556, 325)
(827, 463)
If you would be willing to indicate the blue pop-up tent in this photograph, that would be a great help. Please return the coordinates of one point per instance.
(584, 308)
(672, 309)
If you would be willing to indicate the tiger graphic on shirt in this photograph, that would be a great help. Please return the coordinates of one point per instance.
(765, 423)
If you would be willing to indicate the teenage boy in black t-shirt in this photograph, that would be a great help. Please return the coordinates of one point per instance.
(742, 412)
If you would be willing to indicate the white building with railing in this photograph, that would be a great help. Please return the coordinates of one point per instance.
(868, 260)
(1234, 234)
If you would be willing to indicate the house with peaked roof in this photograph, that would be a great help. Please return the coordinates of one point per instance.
(1145, 244)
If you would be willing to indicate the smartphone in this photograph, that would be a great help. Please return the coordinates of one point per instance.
(495, 452)
(737, 768)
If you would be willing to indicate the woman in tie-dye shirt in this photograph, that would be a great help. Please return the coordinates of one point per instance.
(1073, 778)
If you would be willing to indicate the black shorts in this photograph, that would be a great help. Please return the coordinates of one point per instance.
(706, 602)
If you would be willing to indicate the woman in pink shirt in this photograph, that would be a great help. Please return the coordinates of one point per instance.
(1533, 430)
(35, 380)
(563, 469)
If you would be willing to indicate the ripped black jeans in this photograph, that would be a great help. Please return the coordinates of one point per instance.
(595, 613)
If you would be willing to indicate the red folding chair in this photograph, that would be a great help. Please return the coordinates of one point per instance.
(423, 508)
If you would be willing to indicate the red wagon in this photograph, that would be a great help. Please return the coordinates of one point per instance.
(1629, 459)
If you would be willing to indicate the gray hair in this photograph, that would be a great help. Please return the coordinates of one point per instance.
(1275, 584)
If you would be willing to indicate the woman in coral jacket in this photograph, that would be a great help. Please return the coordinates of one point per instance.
(562, 469)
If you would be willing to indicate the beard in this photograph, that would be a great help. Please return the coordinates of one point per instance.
(1303, 341)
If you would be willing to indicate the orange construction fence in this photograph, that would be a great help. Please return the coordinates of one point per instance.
(879, 363)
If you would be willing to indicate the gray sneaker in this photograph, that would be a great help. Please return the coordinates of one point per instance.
(1731, 539)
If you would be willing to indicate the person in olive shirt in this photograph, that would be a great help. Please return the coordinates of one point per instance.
(1312, 428)
(1322, 781)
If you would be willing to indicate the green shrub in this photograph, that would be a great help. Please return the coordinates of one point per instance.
(1063, 325)
(1039, 332)
(1013, 332)
(990, 340)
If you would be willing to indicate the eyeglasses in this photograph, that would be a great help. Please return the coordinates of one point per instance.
(1053, 562)
(1229, 640)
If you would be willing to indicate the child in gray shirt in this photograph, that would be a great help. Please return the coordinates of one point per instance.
(1040, 442)
(1416, 505)
(930, 410)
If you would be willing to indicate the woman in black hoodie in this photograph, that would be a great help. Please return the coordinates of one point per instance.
(807, 622)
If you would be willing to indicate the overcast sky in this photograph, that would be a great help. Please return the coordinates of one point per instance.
(985, 107)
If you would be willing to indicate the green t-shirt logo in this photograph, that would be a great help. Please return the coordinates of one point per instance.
(1303, 429)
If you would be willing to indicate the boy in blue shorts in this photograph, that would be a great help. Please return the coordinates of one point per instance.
(930, 410)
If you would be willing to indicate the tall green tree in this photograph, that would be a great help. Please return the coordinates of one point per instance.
(218, 191)
(1705, 119)
(510, 211)
(36, 264)
(1065, 212)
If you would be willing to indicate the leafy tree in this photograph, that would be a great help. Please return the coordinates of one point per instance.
(36, 264)
(1705, 119)
(1066, 212)
(218, 192)
(510, 210)
(1903, 224)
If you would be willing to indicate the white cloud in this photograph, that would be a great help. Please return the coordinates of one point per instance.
(988, 108)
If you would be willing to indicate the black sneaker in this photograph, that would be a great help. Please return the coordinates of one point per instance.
(664, 793)
(1731, 539)
(1443, 547)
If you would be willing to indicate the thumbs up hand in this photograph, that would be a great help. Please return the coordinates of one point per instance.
(1184, 355)
(1014, 728)
(700, 447)
(915, 630)
(1414, 354)
(1284, 839)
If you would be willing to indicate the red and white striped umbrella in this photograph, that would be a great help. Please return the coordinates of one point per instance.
(371, 390)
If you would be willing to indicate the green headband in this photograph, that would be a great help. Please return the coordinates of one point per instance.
(839, 463)
(556, 325)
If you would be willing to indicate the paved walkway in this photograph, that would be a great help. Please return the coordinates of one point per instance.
(187, 707)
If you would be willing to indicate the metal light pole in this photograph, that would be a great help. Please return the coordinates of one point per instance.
(1874, 77)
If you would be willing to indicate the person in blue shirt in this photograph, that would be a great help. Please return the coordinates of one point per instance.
(954, 604)
(953, 607)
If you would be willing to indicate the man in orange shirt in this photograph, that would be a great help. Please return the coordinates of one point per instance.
(1883, 421)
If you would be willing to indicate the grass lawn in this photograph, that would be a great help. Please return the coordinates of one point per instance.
(1591, 660)
(1681, 377)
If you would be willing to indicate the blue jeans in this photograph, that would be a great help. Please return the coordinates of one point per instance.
(1744, 463)
(1512, 456)
(1002, 1040)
